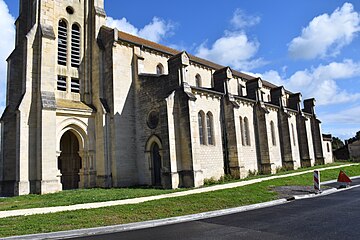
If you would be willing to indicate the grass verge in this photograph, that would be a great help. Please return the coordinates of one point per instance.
(81, 196)
(78, 196)
(250, 194)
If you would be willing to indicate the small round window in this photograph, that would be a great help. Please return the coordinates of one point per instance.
(153, 119)
(70, 10)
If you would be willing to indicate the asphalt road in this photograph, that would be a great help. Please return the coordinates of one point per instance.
(335, 216)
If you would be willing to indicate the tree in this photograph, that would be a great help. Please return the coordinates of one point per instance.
(356, 138)
(337, 143)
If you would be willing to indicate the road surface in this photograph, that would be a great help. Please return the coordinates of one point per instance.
(335, 216)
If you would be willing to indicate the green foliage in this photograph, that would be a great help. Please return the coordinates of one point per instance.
(223, 179)
(210, 181)
(357, 137)
(281, 169)
(337, 143)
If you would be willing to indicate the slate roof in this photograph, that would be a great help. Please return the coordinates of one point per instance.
(126, 37)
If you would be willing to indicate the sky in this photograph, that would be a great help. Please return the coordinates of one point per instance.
(312, 47)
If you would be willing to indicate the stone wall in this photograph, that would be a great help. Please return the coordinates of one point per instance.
(209, 156)
(247, 154)
(354, 150)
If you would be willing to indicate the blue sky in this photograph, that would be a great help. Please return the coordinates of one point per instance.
(307, 46)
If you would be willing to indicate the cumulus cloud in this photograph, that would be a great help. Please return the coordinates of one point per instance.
(155, 31)
(320, 82)
(326, 34)
(241, 20)
(234, 48)
(7, 41)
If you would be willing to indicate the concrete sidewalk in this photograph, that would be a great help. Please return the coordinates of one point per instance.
(34, 211)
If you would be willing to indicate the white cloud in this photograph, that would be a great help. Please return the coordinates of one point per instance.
(320, 82)
(7, 42)
(344, 123)
(234, 48)
(241, 20)
(326, 34)
(155, 31)
(345, 116)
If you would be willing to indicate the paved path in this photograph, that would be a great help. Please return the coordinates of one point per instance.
(34, 211)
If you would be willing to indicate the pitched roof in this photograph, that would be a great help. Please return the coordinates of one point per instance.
(158, 47)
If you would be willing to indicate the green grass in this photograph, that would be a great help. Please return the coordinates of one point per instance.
(225, 180)
(250, 194)
(80, 196)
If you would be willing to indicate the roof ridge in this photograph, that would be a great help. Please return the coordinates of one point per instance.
(162, 48)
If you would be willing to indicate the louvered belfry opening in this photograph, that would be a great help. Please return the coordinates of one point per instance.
(75, 85)
(62, 43)
(75, 46)
(61, 83)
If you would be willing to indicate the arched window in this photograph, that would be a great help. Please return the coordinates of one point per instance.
(159, 69)
(328, 147)
(246, 132)
(210, 128)
(242, 130)
(75, 46)
(62, 43)
(198, 81)
(293, 134)
(201, 127)
(240, 89)
(272, 128)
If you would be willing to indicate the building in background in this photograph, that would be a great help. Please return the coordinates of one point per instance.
(90, 106)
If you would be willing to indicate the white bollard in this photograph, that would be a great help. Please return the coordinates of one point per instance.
(317, 181)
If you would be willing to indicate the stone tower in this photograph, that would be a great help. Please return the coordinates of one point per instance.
(48, 75)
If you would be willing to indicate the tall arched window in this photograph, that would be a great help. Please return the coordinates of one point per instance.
(210, 128)
(201, 123)
(246, 132)
(75, 45)
(242, 130)
(62, 43)
(198, 81)
(272, 128)
(159, 69)
(293, 134)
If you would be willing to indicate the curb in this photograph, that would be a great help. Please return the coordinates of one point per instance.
(168, 221)
(46, 210)
(146, 224)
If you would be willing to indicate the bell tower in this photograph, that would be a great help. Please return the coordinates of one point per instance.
(53, 61)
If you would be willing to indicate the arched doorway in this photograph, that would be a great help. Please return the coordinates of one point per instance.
(156, 163)
(69, 161)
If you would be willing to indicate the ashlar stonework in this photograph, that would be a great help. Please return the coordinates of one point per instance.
(91, 106)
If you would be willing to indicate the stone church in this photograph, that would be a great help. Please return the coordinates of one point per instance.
(91, 106)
